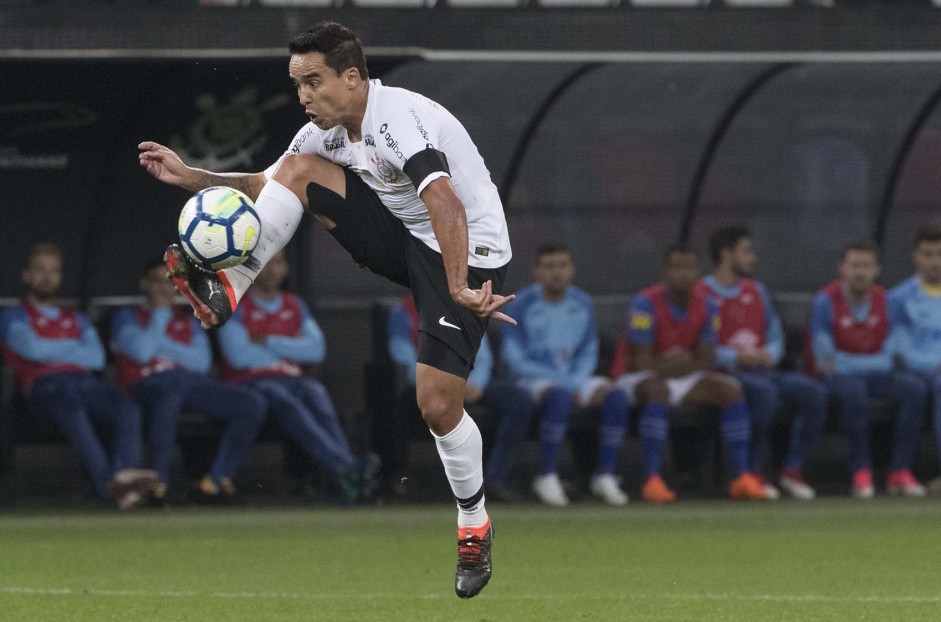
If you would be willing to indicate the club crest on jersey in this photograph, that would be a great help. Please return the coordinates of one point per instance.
(387, 172)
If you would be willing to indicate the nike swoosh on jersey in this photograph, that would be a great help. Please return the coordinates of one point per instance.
(444, 322)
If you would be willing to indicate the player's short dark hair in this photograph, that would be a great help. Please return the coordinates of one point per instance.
(551, 248)
(861, 246)
(726, 238)
(928, 233)
(677, 248)
(43, 248)
(340, 47)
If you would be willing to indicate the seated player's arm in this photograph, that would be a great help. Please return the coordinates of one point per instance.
(25, 342)
(309, 348)
(642, 358)
(239, 350)
(195, 356)
(139, 343)
(703, 357)
(518, 360)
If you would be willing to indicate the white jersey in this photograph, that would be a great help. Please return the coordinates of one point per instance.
(398, 125)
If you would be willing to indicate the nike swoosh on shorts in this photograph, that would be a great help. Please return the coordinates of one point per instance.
(444, 322)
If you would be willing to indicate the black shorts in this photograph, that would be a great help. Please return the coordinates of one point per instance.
(449, 334)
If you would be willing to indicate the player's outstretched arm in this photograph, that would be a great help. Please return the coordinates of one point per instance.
(164, 164)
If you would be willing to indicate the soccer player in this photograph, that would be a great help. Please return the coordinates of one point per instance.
(268, 345)
(512, 404)
(553, 353)
(162, 361)
(853, 345)
(915, 309)
(750, 345)
(671, 338)
(53, 350)
(400, 185)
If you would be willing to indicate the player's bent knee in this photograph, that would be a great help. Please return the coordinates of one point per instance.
(297, 170)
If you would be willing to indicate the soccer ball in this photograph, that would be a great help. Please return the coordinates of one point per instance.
(219, 227)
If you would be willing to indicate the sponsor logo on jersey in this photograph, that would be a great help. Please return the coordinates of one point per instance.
(369, 140)
(300, 140)
(391, 143)
(418, 125)
(333, 145)
(227, 135)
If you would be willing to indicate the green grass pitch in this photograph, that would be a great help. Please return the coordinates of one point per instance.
(833, 559)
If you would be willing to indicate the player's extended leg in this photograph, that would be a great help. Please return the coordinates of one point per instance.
(280, 205)
(441, 401)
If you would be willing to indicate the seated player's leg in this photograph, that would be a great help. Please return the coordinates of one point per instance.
(809, 396)
(600, 393)
(280, 205)
(653, 393)
(852, 397)
(910, 392)
(762, 398)
(556, 405)
(718, 389)
(242, 410)
(516, 409)
(160, 397)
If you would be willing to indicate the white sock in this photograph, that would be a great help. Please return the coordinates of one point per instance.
(461, 452)
(279, 211)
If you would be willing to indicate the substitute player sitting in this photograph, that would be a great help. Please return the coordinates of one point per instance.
(671, 340)
(750, 345)
(553, 353)
(163, 360)
(853, 346)
(399, 183)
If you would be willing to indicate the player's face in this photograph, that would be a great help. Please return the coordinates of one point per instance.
(555, 271)
(274, 272)
(156, 284)
(743, 258)
(327, 98)
(928, 262)
(859, 270)
(43, 276)
(681, 272)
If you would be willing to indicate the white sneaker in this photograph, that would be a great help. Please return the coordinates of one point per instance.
(797, 488)
(771, 491)
(863, 492)
(606, 488)
(548, 489)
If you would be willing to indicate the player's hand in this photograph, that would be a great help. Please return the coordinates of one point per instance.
(164, 164)
(754, 359)
(484, 303)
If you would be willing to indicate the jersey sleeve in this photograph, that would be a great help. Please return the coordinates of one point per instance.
(307, 140)
(410, 138)
(640, 320)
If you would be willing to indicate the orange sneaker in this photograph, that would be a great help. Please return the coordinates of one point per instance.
(748, 487)
(655, 490)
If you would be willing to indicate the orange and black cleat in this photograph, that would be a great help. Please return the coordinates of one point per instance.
(473, 559)
(748, 487)
(207, 292)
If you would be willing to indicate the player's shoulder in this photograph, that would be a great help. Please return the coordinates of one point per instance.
(580, 296)
(905, 289)
(649, 293)
(528, 294)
